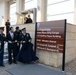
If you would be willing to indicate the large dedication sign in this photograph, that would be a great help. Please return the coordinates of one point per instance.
(50, 36)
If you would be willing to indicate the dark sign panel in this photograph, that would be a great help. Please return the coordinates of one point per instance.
(50, 36)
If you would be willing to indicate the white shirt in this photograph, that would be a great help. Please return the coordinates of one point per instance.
(12, 35)
(24, 33)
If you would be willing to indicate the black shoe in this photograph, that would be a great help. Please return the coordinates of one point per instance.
(15, 62)
(10, 63)
(2, 65)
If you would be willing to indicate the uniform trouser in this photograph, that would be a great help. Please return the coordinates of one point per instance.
(7, 30)
(11, 49)
(1, 56)
(17, 48)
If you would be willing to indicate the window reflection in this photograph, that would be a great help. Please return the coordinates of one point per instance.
(64, 9)
(13, 10)
(54, 1)
(27, 0)
(69, 17)
(30, 4)
(59, 8)
(13, 14)
(13, 5)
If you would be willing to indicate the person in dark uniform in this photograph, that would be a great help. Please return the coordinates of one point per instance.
(17, 44)
(20, 31)
(11, 46)
(2, 41)
(7, 24)
(26, 54)
(29, 20)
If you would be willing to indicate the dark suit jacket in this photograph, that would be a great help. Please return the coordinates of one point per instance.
(7, 24)
(2, 39)
(17, 34)
(29, 20)
(9, 38)
(25, 37)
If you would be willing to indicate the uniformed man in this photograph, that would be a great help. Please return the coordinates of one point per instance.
(17, 44)
(26, 54)
(11, 46)
(2, 41)
(7, 24)
(25, 37)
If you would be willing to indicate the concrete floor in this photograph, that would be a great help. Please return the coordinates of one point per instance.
(3, 69)
(70, 68)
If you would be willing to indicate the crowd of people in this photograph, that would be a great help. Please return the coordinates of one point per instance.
(19, 43)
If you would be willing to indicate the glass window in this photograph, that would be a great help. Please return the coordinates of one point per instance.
(27, 0)
(31, 4)
(13, 22)
(13, 14)
(64, 7)
(13, 19)
(60, 10)
(54, 1)
(69, 17)
(13, 10)
(13, 5)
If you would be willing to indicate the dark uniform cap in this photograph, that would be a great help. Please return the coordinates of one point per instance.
(23, 29)
(17, 28)
(2, 28)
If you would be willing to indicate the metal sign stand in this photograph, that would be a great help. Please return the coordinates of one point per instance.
(63, 59)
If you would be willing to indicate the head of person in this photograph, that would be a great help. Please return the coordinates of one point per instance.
(17, 28)
(24, 30)
(11, 29)
(8, 20)
(1, 29)
(29, 16)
